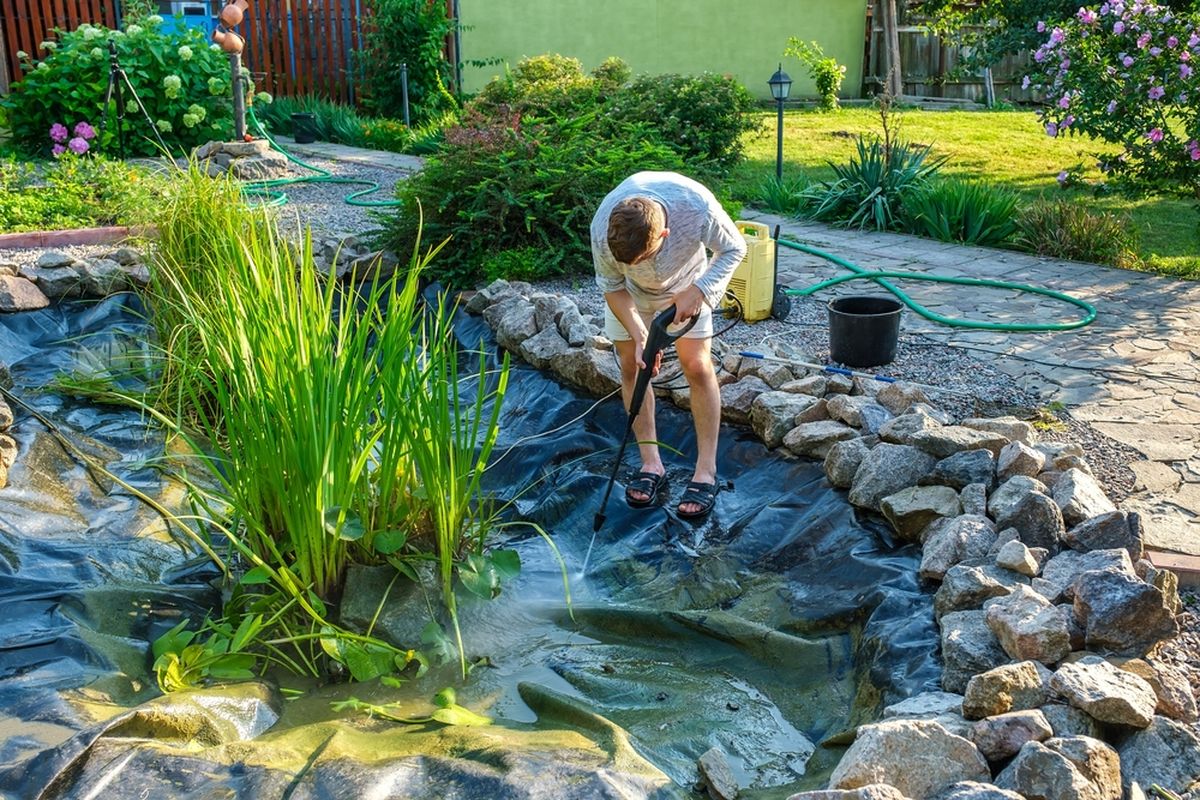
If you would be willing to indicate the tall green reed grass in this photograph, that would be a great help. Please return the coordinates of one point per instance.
(328, 427)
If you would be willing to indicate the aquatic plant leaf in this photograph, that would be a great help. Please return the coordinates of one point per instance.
(438, 644)
(256, 576)
(388, 542)
(478, 574)
(507, 563)
(457, 715)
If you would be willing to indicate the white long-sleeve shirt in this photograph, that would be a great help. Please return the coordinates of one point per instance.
(696, 221)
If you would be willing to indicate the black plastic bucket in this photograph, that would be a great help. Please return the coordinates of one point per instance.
(863, 331)
(304, 127)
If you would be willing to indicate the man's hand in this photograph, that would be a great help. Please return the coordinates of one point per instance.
(639, 344)
(688, 304)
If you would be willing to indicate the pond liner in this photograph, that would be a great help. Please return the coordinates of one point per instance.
(785, 618)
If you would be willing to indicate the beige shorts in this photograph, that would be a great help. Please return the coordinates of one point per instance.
(614, 330)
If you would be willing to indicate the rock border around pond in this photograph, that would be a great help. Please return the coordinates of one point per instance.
(1050, 616)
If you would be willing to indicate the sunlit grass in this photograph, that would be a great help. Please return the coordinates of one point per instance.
(1009, 148)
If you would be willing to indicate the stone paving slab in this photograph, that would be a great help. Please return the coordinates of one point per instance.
(1134, 374)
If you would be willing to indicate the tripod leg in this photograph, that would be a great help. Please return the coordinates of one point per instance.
(145, 114)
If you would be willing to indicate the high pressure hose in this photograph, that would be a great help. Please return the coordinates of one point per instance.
(881, 278)
(268, 188)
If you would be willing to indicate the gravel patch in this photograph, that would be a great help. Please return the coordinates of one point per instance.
(322, 206)
(1184, 651)
(27, 256)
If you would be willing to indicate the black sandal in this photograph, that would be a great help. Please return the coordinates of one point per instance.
(649, 484)
(703, 495)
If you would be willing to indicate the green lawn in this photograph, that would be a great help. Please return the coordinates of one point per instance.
(1009, 148)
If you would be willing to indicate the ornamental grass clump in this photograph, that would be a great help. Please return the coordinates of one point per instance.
(970, 212)
(328, 425)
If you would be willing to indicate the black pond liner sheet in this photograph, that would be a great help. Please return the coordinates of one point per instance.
(783, 619)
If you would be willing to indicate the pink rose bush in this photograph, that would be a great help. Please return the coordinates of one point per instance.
(1120, 72)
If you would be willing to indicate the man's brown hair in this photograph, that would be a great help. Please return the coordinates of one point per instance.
(634, 226)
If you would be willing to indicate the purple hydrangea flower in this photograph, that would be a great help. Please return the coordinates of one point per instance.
(1062, 178)
(1155, 135)
(1067, 122)
(78, 145)
(1051, 129)
(1127, 61)
(1057, 36)
(58, 132)
(1025, 82)
(1193, 148)
(85, 131)
(1087, 16)
(58, 150)
(1064, 101)
(1118, 27)
(1185, 71)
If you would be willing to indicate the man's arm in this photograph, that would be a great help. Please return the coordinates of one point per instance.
(728, 247)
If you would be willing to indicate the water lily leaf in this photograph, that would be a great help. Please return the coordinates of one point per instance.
(457, 715)
(351, 528)
(388, 542)
(479, 576)
(438, 644)
(507, 563)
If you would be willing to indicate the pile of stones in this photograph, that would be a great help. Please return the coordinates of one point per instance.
(345, 256)
(60, 276)
(247, 161)
(1050, 615)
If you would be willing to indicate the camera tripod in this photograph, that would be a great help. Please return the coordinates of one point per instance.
(118, 84)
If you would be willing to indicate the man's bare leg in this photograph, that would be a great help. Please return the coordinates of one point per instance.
(643, 426)
(696, 360)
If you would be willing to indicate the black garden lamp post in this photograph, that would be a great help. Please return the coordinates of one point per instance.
(780, 85)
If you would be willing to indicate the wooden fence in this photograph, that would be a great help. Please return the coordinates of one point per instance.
(27, 23)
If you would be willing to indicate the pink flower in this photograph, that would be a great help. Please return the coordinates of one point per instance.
(1041, 27)
(1193, 148)
(1127, 61)
(78, 145)
(1064, 101)
(1067, 122)
(1111, 107)
(1185, 71)
(1087, 16)
(1193, 40)
(85, 131)
(1057, 36)
(1172, 42)
(1156, 92)
(58, 132)
(1039, 55)
(1143, 41)
(1155, 135)
(1118, 27)
(1051, 129)
(1186, 55)
(58, 150)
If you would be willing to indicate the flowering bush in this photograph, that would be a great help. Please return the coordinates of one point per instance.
(823, 69)
(1125, 73)
(182, 81)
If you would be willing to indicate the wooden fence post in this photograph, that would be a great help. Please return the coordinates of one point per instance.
(894, 78)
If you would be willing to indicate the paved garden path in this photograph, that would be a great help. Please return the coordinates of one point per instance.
(1133, 374)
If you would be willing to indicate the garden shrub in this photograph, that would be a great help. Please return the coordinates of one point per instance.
(962, 211)
(74, 192)
(182, 80)
(520, 264)
(783, 196)
(500, 185)
(411, 32)
(1126, 74)
(342, 124)
(1063, 229)
(823, 69)
(539, 86)
(870, 190)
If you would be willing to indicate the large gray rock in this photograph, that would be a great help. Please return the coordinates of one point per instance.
(1009, 495)
(20, 294)
(541, 349)
(1067, 720)
(52, 259)
(951, 541)
(102, 277)
(593, 370)
(926, 704)
(1105, 693)
(973, 499)
(738, 398)
(843, 460)
(911, 510)
(962, 469)
(814, 385)
(396, 622)
(1038, 521)
(505, 302)
(1015, 556)
(816, 439)
(717, 776)
(775, 375)
(901, 429)
(950, 439)
(773, 414)
(1164, 580)
(872, 791)
(1166, 753)
(1017, 430)
(848, 408)
(1008, 687)
(1115, 529)
(1080, 497)
(517, 325)
(968, 648)
(897, 397)
(1043, 771)
(1121, 614)
(1059, 574)
(974, 790)
(968, 586)
(1170, 686)
(1018, 458)
(57, 282)
(917, 757)
(1002, 736)
(885, 470)
(8, 451)
(1029, 627)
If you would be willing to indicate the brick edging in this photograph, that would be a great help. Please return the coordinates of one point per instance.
(76, 236)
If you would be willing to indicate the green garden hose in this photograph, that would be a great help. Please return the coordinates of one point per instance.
(858, 273)
(268, 189)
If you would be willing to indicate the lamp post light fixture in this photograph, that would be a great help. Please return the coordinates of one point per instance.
(780, 85)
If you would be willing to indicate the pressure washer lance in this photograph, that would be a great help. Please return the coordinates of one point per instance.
(657, 341)
(850, 373)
